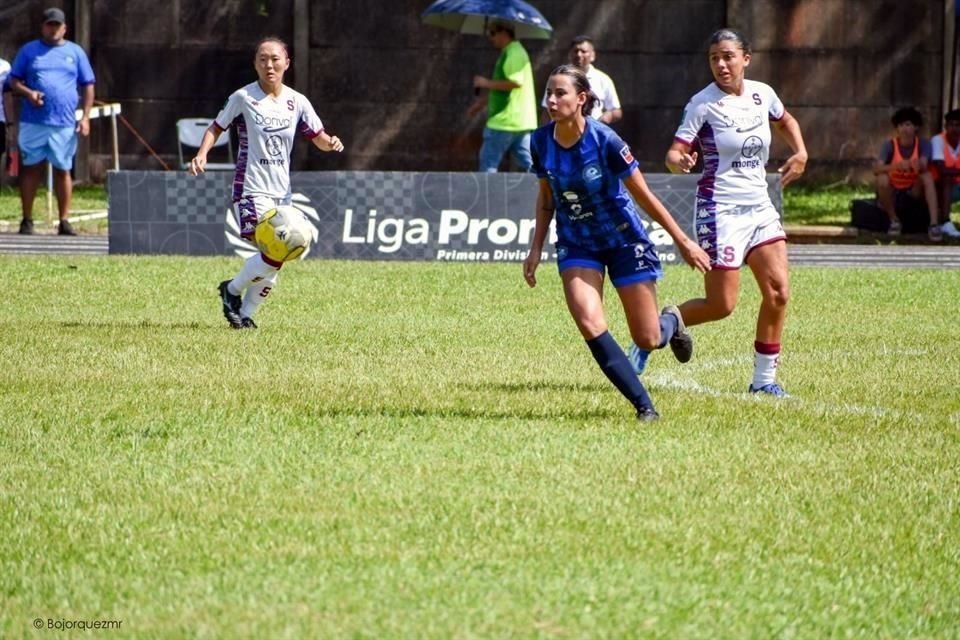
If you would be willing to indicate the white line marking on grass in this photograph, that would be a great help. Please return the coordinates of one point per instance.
(668, 380)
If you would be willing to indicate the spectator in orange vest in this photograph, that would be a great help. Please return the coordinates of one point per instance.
(945, 169)
(903, 181)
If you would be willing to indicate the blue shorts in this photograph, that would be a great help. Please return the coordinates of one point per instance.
(39, 142)
(627, 265)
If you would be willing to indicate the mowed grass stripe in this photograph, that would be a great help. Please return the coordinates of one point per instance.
(422, 450)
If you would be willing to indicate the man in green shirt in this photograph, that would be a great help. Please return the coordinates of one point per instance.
(511, 102)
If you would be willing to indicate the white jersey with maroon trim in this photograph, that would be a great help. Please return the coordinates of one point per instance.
(734, 137)
(266, 127)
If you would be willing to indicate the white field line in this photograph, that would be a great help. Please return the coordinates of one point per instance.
(670, 380)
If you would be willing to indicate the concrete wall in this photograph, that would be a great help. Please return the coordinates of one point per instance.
(397, 91)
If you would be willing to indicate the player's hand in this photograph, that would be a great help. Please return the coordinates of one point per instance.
(694, 255)
(687, 161)
(335, 144)
(793, 168)
(36, 98)
(83, 126)
(530, 264)
(197, 166)
(480, 82)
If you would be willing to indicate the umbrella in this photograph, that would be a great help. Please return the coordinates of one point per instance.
(473, 17)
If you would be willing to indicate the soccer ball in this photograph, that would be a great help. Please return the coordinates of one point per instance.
(284, 234)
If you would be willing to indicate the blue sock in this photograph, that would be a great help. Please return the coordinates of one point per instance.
(614, 364)
(668, 327)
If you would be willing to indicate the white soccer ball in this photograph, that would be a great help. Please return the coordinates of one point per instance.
(284, 234)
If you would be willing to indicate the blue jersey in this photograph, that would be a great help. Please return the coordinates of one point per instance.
(593, 209)
(57, 71)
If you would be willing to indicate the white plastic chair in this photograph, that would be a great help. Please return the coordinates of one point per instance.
(190, 134)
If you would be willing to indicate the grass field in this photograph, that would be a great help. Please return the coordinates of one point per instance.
(428, 451)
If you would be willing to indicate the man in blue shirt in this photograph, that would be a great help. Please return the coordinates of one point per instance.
(49, 74)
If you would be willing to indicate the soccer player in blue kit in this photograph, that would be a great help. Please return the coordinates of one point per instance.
(587, 175)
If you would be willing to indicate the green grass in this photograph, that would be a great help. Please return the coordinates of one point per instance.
(821, 205)
(428, 451)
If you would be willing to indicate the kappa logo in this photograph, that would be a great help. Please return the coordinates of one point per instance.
(625, 154)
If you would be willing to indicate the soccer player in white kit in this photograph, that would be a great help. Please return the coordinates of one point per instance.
(735, 222)
(266, 115)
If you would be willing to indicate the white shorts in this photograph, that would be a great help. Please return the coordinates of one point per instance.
(251, 209)
(729, 232)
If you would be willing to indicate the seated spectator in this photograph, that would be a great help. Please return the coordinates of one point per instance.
(945, 169)
(902, 177)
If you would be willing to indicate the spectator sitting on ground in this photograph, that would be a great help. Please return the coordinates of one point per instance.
(902, 177)
(945, 169)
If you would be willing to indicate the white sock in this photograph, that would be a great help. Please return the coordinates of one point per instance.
(256, 293)
(765, 362)
(253, 268)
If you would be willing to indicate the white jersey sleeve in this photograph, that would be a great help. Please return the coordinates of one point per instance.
(231, 110)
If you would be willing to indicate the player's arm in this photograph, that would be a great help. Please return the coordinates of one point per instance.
(544, 214)
(691, 251)
(199, 163)
(788, 129)
(681, 157)
(327, 142)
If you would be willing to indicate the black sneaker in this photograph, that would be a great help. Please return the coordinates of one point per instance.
(647, 414)
(231, 305)
(65, 229)
(247, 323)
(682, 342)
(26, 227)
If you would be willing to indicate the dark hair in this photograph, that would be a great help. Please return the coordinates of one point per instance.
(952, 116)
(730, 34)
(495, 26)
(267, 39)
(580, 83)
(580, 40)
(907, 114)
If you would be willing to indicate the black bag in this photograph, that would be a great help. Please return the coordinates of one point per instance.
(912, 213)
(867, 215)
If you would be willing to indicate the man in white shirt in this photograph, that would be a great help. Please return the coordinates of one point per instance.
(607, 107)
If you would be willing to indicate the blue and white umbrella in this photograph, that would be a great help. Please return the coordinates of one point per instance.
(474, 16)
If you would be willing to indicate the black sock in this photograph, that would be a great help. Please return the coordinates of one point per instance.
(614, 364)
